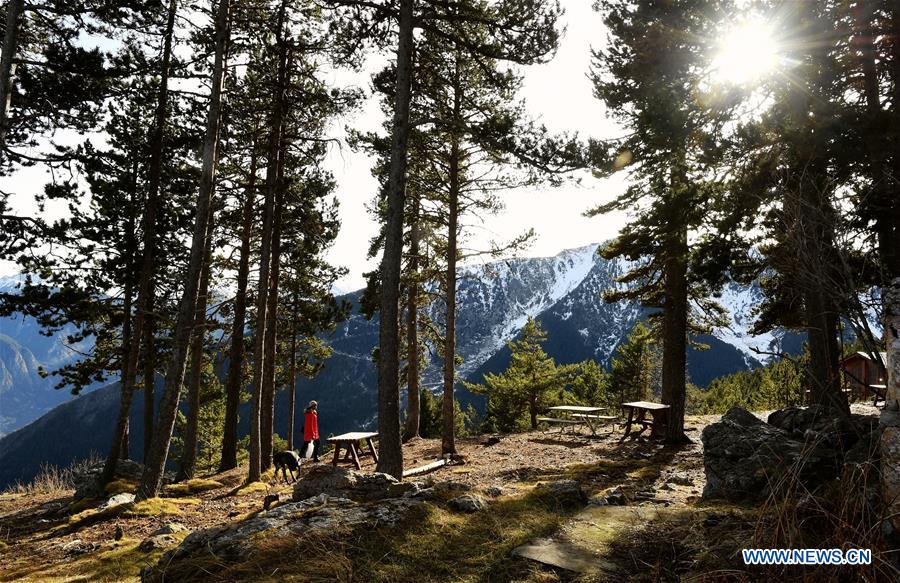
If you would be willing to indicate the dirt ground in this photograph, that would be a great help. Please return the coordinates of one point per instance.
(40, 539)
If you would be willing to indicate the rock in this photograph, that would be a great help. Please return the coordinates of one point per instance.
(468, 503)
(341, 482)
(494, 491)
(320, 513)
(269, 500)
(451, 486)
(615, 497)
(403, 489)
(161, 541)
(744, 456)
(117, 500)
(680, 480)
(79, 547)
(170, 528)
(86, 480)
(564, 491)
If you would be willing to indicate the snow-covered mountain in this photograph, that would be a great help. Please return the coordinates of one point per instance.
(24, 394)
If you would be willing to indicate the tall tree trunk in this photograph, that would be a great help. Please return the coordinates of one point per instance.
(411, 429)
(292, 379)
(675, 316)
(890, 260)
(267, 407)
(14, 9)
(448, 439)
(236, 353)
(145, 283)
(390, 460)
(254, 471)
(149, 369)
(154, 466)
(188, 466)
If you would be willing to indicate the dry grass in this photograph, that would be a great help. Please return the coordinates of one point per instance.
(51, 480)
(432, 544)
(844, 513)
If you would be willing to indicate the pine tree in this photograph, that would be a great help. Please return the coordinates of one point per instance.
(531, 383)
(649, 76)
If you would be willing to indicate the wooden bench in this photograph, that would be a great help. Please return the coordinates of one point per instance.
(351, 443)
(610, 419)
(563, 423)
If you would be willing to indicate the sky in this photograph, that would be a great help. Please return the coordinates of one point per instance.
(557, 94)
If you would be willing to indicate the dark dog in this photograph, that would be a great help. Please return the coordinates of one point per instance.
(287, 461)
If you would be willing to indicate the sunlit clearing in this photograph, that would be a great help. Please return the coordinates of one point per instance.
(746, 53)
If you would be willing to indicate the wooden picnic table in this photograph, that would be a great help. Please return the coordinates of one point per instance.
(351, 443)
(637, 413)
(580, 415)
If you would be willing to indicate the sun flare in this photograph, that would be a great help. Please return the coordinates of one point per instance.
(746, 53)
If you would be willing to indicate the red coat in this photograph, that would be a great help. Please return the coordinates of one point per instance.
(311, 426)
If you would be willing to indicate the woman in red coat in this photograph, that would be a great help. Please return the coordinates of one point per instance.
(311, 429)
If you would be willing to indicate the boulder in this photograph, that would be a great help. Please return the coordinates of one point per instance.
(322, 513)
(341, 482)
(85, 480)
(564, 491)
(117, 500)
(744, 456)
(467, 503)
(170, 528)
(494, 491)
(451, 486)
(160, 541)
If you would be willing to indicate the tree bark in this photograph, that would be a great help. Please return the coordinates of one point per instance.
(151, 479)
(7, 68)
(448, 439)
(149, 368)
(145, 283)
(411, 429)
(254, 471)
(292, 380)
(675, 317)
(890, 260)
(236, 352)
(267, 409)
(390, 460)
(188, 467)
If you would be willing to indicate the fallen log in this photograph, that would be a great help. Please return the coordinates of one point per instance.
(425, 469)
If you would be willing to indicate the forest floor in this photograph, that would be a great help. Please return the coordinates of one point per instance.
(665, 530)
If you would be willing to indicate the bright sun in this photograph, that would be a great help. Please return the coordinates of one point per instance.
(746, 53)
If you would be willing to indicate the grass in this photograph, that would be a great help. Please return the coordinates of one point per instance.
(120, 486)
(114, 561)
(52, 480)
(158, 506)
(431, 544)
(192, 486)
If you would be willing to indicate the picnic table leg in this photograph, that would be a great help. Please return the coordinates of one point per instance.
(337, 454)
(628, 422)
(352, 448)
(372, 450)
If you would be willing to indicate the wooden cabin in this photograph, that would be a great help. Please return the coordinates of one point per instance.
(865, 377)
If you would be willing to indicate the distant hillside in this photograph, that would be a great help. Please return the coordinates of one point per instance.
(24, 394)
(563, 292)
